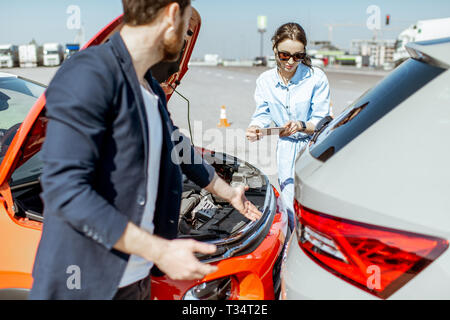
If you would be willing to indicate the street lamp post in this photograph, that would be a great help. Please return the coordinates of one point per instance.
(262, 42)
(262, 25)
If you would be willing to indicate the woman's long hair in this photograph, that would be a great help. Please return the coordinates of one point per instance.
(291, 31)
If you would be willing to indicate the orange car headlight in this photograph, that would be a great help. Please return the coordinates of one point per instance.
(219, 289)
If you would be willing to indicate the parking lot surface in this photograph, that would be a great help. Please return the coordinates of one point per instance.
(210, 88)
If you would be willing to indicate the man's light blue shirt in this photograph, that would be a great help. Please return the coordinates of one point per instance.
(138, 268)
(305, 98)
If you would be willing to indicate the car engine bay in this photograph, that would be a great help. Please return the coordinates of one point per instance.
(203, 216)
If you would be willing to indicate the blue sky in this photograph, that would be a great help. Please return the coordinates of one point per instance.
(229, 27)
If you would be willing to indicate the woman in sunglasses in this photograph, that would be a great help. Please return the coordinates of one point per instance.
(294, 95)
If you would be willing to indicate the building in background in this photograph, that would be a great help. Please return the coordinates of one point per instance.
(374, 53)
(325, 51)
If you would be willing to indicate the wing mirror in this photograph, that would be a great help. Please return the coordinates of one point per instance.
(323, 123)
(320, 126)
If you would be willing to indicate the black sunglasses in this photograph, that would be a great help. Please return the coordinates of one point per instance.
(285, 56)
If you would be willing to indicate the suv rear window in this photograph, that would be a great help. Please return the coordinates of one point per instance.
(372, 106)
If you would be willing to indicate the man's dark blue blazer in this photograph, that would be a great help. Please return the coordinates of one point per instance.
(94, 178)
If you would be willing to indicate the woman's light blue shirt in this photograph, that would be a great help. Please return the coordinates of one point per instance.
(305, 98)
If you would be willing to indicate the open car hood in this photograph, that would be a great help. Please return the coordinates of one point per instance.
(30, 136)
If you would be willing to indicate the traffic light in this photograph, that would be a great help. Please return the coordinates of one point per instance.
(388, 17)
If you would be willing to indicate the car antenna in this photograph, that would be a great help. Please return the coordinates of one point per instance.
(177, 82)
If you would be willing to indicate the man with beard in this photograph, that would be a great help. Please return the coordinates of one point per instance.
(111, 191)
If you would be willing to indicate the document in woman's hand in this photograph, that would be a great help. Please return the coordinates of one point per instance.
(270, 131)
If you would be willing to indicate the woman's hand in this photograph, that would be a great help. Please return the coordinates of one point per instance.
(290, 128)
(252, 134)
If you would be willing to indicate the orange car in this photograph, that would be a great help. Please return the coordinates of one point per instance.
(249, 253)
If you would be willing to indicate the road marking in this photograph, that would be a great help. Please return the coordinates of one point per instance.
(230, 77)
(247, 81)
(346, 81)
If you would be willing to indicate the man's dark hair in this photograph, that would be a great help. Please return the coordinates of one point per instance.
(140, 12)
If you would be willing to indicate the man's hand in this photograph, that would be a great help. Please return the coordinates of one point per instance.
(244, 206)
(173, 257)
(235, 196)
(177, 260)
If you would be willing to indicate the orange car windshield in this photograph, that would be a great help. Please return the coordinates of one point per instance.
(17, 96)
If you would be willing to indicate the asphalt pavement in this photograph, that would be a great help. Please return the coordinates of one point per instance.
(210, 88)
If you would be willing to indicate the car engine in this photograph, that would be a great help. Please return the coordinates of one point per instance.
(204, 216)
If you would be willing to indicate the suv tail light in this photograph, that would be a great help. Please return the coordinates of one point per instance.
(375, 259)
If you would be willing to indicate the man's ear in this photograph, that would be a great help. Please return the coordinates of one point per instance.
(172, 15)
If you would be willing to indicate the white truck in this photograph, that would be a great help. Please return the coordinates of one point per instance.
(420, 31)
(53, 54)
(28, 55)
(9, 56)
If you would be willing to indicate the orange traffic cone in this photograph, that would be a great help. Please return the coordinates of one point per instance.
(223, 118)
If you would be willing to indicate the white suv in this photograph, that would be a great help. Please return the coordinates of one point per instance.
(372, 193)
